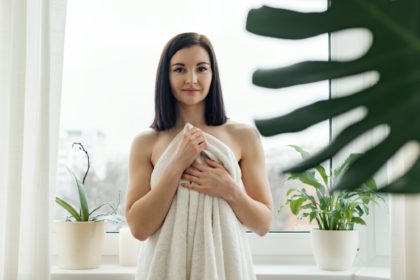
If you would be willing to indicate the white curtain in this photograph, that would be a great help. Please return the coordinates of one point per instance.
(31, 52)
(405, 222)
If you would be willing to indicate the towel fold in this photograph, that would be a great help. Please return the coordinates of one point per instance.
(201, 238)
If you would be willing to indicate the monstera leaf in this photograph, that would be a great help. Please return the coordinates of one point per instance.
(394, 100)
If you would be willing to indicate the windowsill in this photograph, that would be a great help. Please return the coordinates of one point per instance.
(264, 272)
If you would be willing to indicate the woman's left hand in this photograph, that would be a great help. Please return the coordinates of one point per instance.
(212, 179)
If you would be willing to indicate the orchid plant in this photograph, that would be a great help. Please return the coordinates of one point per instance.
(84, 213)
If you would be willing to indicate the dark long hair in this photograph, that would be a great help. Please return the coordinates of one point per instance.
(165, 102)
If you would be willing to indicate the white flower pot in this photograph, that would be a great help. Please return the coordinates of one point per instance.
(79, 244)
(334, 249)
(128, 248)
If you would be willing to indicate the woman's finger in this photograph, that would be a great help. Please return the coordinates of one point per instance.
(193, 186)
(195, 131)
(192, 172)
(191, 178)
(214, 164)
(198, 140)
(200, 167)
(203, 145)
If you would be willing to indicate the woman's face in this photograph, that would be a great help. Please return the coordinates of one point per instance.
(190, 75)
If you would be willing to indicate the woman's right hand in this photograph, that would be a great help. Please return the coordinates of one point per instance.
(190, 146)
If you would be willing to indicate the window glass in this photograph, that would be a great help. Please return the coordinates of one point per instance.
(112, 50)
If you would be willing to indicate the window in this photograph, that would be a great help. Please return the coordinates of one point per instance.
(112, 50)
(111, 54)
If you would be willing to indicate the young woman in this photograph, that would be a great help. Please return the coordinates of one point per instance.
(184, 210)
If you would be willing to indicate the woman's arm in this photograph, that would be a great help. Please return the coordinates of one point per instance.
(146, 208)
(253, 208)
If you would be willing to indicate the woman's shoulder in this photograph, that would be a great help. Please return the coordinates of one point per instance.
(247, 138)
(240, 130)
(244, 136)
(144, 141)
(146, 136)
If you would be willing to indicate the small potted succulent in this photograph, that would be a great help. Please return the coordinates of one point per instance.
(335, 241)
(80, 237)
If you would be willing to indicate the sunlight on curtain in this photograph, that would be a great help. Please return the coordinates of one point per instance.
(405, 220)
(31, 50)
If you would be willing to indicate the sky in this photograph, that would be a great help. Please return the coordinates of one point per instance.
(112, 50)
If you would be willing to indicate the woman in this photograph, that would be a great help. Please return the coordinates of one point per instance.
(184, 211)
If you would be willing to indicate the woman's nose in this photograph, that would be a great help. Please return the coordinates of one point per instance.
(191, 78)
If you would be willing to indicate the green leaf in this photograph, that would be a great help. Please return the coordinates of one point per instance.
(322, 173)
(321, 170)
(345, 165)
(304, 154)
(409, 183)
(358, 221)
(289, 191)
(371, 184)
(393, 101)
(100, 206)
(312, 216)
(68, 208)
(302, 192)
(309, 206)
(111, 218)
(295, 205)
(308, 178)
(325, 202)
(84, 208)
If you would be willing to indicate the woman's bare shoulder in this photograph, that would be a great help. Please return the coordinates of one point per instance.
(248, 139)
(240, 130)
(144, 141)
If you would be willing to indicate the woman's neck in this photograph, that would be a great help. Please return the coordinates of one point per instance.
(193, 115)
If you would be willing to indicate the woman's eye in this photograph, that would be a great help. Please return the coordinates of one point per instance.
(179, 70)
(202, 69)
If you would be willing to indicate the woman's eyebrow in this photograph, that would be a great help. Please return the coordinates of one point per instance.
(182, 64)
(178, 64)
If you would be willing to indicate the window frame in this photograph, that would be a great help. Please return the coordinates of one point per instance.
(292, 247)
(282, 247)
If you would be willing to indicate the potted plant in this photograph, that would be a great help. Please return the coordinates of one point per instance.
(80, 237)
(335, 241)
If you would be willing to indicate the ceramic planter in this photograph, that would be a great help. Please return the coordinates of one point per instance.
(334, 249)
(79, 244)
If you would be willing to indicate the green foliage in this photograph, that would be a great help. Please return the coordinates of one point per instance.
(393, 101)
(331, 210)
(83, 214)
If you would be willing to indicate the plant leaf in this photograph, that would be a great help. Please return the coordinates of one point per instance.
(295, 205)
(358, 221)
(345, 165)
(68, 208)
(408, 183)
(84, 208)
(308, 178)
(393, 101)
(321, 170)
(112, 218)
(99, 207)
(304, 154)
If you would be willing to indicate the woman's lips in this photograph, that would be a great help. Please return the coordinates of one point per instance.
(191, 91)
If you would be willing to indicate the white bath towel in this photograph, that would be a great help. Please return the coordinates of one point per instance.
(201, 238)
